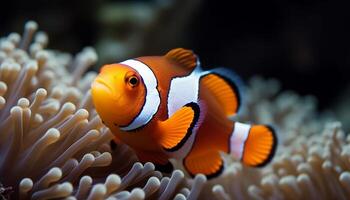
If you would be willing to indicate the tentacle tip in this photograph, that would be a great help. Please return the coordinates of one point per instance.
(41, 92)
(31, 26)
(83, 114)
(137, 193)
(66, 188)
(26, 184)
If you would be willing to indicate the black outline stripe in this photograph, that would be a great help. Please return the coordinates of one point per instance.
(144, 102)
(233, 86)
(196, 109)
(184, 76)
(113, 145)
(209, 176)
(138, 114)
(229, 139)
(272, 151)
(217, 173)
(167, 168)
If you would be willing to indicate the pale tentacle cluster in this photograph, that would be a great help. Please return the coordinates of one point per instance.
(47, 134)
(52, 142)
(286, 111)
(54, 146)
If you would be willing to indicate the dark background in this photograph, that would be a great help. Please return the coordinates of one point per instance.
(303, 44)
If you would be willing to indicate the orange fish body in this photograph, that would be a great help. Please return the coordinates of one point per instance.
(167, 107)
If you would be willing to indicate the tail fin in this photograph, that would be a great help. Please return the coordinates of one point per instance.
(260, 146)
(255, 145)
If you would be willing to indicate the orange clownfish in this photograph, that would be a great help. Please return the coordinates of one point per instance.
(168, 107)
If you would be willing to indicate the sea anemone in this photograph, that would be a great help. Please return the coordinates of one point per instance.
(53, 144)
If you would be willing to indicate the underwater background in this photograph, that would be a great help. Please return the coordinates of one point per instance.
(293, 56)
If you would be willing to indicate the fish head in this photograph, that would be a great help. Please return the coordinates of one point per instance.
(118, 94)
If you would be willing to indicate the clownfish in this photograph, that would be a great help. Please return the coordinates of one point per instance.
(168, 107)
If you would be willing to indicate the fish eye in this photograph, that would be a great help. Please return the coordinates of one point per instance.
(132, 80)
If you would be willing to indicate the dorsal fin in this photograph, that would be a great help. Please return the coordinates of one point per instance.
(224, 90)
(183, 57)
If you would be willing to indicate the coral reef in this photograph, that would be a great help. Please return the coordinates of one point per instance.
(53, 144)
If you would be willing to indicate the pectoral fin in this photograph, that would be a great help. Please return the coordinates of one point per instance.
(178, 128)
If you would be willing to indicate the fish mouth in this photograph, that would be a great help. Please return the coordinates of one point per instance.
(102, 84)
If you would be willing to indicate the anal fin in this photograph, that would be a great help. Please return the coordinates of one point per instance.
(178, 128)
(209, 163)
